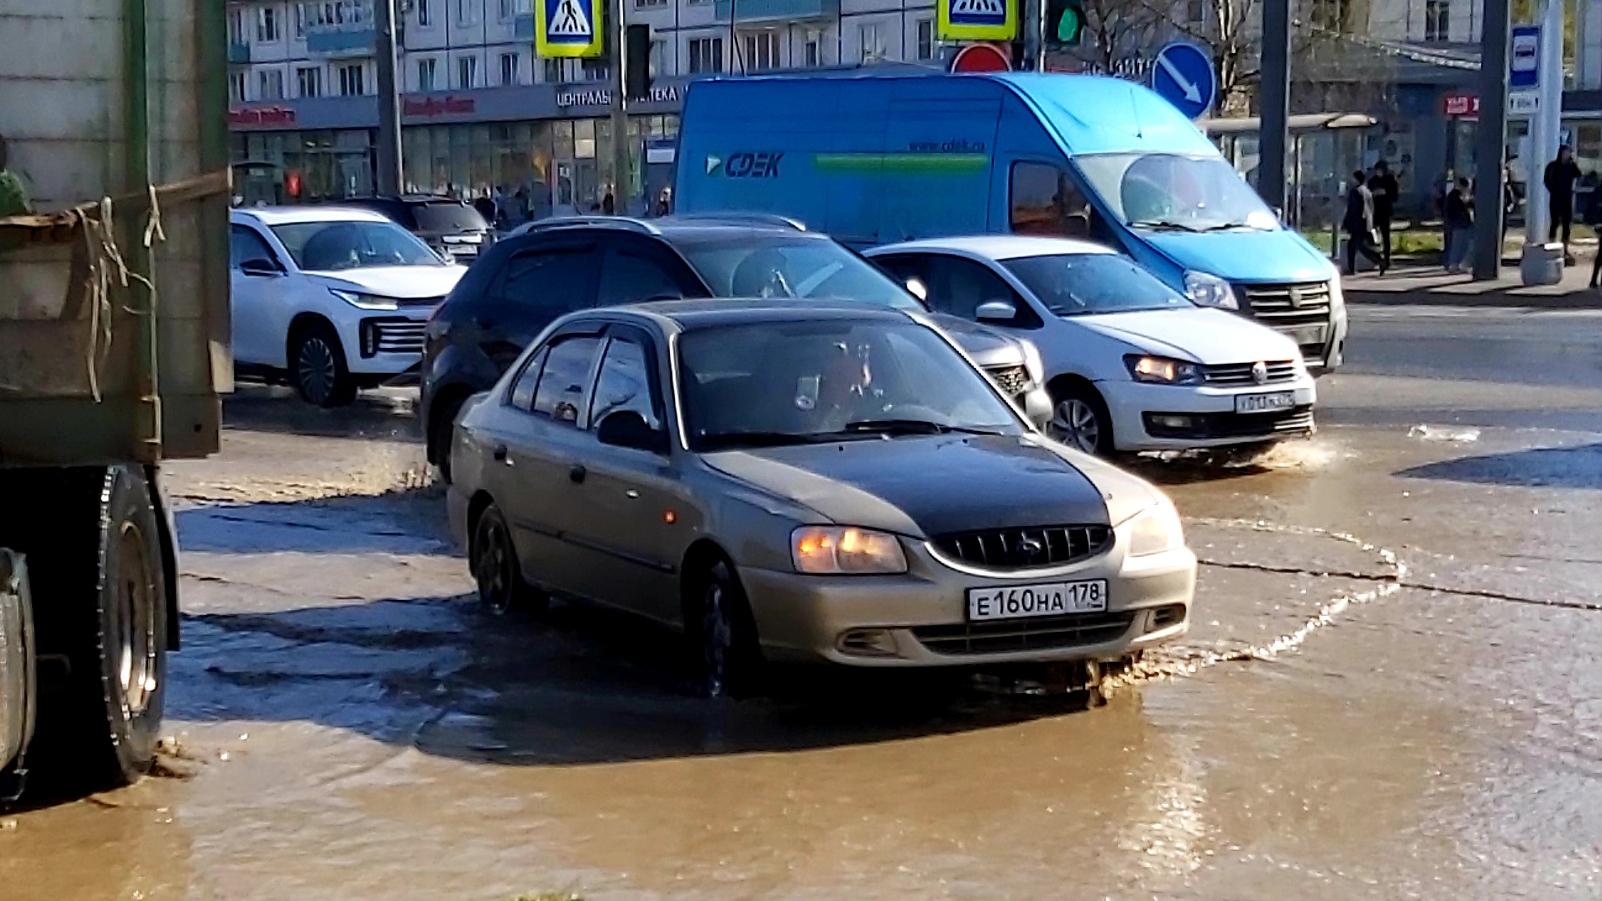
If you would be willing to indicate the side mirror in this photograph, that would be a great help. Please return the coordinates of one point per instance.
(626, 428)
(261, 267)
(918, 289)
(997, 311)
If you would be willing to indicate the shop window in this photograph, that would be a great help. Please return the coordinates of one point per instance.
(594, 70)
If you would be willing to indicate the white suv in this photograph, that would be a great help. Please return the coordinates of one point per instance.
(331, 299)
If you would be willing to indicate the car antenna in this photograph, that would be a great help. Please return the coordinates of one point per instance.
(1134, 109)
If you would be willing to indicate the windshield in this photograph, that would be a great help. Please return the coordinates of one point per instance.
(776, 383)
(337, 246)
(1071, 284)
(791, 267)
(448, 218)
(1169, 191)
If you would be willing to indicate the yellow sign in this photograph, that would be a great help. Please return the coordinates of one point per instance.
(569, 28)
(976, 20)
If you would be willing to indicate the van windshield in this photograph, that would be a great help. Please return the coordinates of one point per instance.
(1173, 192)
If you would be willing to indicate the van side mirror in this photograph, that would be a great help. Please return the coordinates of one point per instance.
(626, 428)
(261, 266)
(1001, 312)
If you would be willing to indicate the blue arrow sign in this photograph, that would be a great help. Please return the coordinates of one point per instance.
(1183, 75)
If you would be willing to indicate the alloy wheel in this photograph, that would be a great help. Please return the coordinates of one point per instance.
(316, 369)
(493, 566)
(1074, 422)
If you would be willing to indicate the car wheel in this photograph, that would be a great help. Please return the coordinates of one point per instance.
(441, 431)
(731, 659)
(317, 363)
(493, 557)
(1080, 420)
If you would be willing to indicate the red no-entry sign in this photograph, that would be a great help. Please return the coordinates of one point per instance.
(981, 58)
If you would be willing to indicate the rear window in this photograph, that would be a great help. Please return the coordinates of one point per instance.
(448, 217)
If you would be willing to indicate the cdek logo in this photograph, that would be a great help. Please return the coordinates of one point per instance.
(746, 164)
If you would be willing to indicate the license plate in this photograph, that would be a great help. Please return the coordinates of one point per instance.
(1049, 599)
(1265, 403)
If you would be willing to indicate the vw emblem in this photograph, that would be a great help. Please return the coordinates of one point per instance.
(1031, 548)
(1260, 372)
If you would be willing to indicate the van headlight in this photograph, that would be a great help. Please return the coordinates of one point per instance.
(1155, 530)
(845, 551)
(365, 301)
(1207, 290)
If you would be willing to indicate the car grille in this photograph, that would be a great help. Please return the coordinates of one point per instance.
(1013, 380)
(1241, 373)
(1300, 310)
(1074, 630)
(1233, 425)
(1025, 548)
(392, 336)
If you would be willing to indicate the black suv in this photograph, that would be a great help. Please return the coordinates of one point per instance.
(556, 266)
(446, 224)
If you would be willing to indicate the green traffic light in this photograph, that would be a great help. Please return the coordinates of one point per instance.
(1068, 27)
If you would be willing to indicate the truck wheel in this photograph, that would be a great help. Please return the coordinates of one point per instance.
(101, 608)
(317, 362)
(18, 685)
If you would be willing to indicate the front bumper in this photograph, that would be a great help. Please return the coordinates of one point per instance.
(384, 342)
(919, 619)
(1176, 417)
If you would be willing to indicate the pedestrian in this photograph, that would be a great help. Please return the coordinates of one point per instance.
(664, 202)
(1559, 179)
(13, 195)
(1459, 217)
(1359, 225)
(485, 204)
(608, 205)
(1386, 189)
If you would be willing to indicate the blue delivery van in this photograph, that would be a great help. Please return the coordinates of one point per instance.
(880, 158)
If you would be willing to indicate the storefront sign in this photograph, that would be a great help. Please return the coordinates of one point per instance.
(568, 28)
(976, 20)
(603, 97)
(429, 107)
(1463, 104)
(261, 115)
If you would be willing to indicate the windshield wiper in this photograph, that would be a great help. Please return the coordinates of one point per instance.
(912, 427)
(1161, 225)
(1226, 226)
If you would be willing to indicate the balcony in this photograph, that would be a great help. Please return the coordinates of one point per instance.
(238, 52)
(754, 11)
(340, 41)
(523, 26)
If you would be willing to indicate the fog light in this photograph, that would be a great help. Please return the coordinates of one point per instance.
(1163, 617)
(867, 643)
(1171, 422)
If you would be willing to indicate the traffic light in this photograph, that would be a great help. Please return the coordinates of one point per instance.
(637, 53)
(1065, 23)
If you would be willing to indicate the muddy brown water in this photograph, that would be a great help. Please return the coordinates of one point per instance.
(1390, 691)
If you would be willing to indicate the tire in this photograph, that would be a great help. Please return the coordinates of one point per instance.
(95, 560)
(317, 367)
(441, 429)
(1079, 419)
(730, 658)
(18, 683)
(493, 558)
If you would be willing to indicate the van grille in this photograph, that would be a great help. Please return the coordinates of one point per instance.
(1000, 637)
(1025, 548)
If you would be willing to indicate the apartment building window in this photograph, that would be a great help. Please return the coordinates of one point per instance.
(809, 52)
(351, 82)
(555, 72)
(871, 38)
(467, 72)
(467, 11)
(925, 39)
(509, 68)
(1196, 12)
(594, 70)
(1437, 20)
(426, 73)
(425, 16)
(506, 8)
(642, 4)
(762, 51)
(309, 79)
(270, 84)
(658, 57)
(236, 26)
(267, 25)
(300, 20)
(706, 55)
(236, 87)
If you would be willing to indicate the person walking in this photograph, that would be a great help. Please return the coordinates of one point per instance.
(1559, 179)
(1359, 225)
(1459, 217)
(1386, 188)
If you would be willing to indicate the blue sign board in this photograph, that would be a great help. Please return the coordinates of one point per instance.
(1183, 75)
(1524, 58)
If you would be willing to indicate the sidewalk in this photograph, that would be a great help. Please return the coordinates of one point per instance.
(1429, 285)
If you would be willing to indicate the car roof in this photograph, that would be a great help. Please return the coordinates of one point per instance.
(283, 215)
(694, 315)
(676, 227)
(996, 247)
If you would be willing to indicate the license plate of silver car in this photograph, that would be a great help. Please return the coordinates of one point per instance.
(1265, 403)
(1047, 599)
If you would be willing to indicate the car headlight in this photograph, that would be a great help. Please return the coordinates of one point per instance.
(1207, 290)
(1163, 371)
(1033, 364)
(365, 301)
(845, 550)
(1156, 530)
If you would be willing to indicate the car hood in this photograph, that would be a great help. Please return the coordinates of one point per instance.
(1195, 334)
(1245, 256)
(405, 282)
(925, 485)
(988, 347)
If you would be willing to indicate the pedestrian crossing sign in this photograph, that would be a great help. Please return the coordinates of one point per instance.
(568, 28)
(976, 20)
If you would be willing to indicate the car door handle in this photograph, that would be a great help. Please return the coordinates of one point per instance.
(500, 454)
(577, 473)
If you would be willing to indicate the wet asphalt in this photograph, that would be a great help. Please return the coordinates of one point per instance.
(1391, 688)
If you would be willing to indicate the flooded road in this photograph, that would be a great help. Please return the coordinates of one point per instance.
(1390, 691)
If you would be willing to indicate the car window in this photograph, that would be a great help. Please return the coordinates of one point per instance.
(334, 246)
(564, 379)
(550, 283)
(625, 383)
(1047, 201)
(787, 265)
(958, 286)
(1074, 283)
(244, 244)
(523, 388)
(631, 276)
